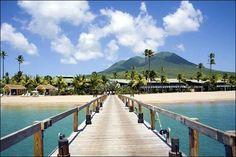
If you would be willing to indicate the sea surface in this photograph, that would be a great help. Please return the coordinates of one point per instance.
(220, 115)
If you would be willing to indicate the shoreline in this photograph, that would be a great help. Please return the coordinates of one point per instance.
(156, 99)
(49, 101)
(186, 97)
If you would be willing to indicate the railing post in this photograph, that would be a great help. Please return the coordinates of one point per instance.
(174, 152)
(75, 124)
(193, 140)
(97, 106)
(140, 114)
(94, 106)
(230, 151)
(88, 116)
(38, 143)
(127, 102)
(153, 121)
(131, 107)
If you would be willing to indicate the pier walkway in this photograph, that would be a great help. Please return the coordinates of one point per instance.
(116, 132)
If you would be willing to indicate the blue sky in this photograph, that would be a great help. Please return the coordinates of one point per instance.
(68, 38)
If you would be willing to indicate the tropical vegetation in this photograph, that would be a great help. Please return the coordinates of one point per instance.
(98, 83)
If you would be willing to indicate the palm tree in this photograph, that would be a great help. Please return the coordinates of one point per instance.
(149, 54)
(200, 66)
(179, 78)
(163, 80)
(132, 73)
(3, 54)
(212, 61)
(225, 77)
(199, 76)
(61, 84)
(80, 84)
(152, 75)
(126, 75)
(137, 82)
(145, 54)
(20, 59)
(115, 75)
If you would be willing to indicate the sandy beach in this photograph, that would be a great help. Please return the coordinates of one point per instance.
(46, 100)
(171, 98)
(158, 98)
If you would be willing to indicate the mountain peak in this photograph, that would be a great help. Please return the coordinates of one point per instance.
(172, 63)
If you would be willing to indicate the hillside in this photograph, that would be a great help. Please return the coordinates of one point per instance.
(172, 63)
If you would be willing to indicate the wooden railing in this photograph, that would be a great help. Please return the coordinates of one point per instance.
(38, 127)
(195, 127)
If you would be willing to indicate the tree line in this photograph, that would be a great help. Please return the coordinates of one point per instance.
(96, 83)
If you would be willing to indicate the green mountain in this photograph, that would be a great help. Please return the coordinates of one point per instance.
(172, 64)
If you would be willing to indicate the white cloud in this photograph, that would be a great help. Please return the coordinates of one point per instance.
(111, 51)
(17, 39)
(47, 15)
(143, 7)
(88, 47)
(185, 19)
(181, 47)
(137, 33)
(121, 28)
(62, 45)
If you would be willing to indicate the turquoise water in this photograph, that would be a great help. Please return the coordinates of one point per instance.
(15, 118)
(220, 115)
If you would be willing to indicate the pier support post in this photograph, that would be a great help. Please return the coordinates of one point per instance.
(153, 121)
(38, 143)
(140, 114)
(230, 151)
(88, 116)
(193, 140)
(75, 124)
(131, 107)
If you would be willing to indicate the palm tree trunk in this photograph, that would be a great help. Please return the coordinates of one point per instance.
(210, 69)
(3, 68)
(19, 66)
(149, 63)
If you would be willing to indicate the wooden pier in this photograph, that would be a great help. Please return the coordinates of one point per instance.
(112, 128)
(116, 132)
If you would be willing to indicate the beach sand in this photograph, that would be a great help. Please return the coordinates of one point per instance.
(73, 100)
(186, 97)
(158, 98)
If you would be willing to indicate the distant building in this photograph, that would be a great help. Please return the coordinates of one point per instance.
(195, 85)
(14, 89)
(120, 82)
(46, 89)
(171, 85)
(68, 79)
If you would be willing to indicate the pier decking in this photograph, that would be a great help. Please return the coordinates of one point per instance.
(116, 132)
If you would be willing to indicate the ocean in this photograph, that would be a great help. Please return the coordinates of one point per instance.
(220, 115)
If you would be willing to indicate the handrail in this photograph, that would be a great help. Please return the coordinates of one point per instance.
(15, 137)
(225, 138)
(18, 136)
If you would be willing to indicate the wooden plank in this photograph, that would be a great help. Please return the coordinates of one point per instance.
(211, 132)
(38, 143)
(19, 135)
(115, 132)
